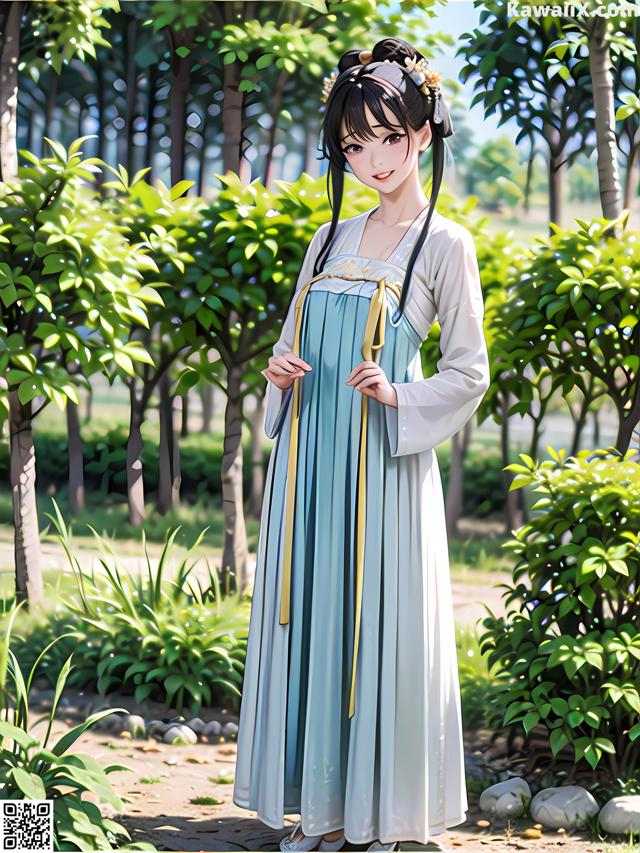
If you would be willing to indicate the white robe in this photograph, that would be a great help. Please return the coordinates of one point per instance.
(407, 783)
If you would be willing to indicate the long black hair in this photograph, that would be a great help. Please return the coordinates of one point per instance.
(355, 86)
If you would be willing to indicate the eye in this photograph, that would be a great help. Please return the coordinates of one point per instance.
(392, 139)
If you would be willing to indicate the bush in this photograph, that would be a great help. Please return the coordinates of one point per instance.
(34, 769)
(173, 641)
(476, 682)
(569, 655)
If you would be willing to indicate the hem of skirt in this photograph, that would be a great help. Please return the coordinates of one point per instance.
(437, 830)
(246, 804)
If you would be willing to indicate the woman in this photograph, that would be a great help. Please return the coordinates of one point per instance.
(350, 712)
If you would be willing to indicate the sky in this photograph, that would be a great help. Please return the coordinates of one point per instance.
(457, 17)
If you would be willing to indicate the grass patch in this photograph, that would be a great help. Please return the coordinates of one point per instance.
(221, 780)
(206, 801)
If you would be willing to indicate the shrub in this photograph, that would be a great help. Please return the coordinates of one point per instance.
(34, 769)
(476, 682)
(569, 655)
(175, 641)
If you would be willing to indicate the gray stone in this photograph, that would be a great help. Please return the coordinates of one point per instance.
(213, 728)
(229, 729)
(567, 806)
(505, 799)
(135, 725)
(196, 725)
(179, 732)
(110, 723)
(620, 815)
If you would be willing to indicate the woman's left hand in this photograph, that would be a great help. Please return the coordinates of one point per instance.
(369, 378)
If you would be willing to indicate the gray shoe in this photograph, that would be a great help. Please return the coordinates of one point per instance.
(297, 840)
(378, 845)
(336, 844)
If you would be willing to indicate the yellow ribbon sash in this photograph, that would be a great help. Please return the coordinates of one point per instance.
(376, 322)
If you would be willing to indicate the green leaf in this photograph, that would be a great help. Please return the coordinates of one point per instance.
(30, 784)
(18, 735)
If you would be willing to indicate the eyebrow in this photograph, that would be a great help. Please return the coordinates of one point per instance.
(351, 134)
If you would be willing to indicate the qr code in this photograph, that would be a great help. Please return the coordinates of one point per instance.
(26, 826)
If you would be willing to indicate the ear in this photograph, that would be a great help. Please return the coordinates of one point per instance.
(425, 138)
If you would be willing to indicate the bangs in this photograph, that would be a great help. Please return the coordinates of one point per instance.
(350, 105)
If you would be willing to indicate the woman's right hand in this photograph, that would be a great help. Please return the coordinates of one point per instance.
(283, 369)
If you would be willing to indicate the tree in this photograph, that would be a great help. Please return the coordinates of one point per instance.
(58, 31)
(592, 39)
(163, 218)
(506, 56)
(574, 310)
(69, 288)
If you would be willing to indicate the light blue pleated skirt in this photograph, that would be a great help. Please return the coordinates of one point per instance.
(382, 773)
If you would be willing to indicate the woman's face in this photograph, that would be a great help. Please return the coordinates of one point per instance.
(382, 163)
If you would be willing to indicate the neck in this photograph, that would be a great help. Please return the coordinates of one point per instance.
(403, 203)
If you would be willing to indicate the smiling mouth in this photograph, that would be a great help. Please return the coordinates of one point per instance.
(383, 175)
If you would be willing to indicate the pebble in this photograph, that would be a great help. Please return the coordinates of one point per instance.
(531, 832)
(180, 733)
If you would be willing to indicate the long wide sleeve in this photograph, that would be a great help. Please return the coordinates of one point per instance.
(276, 401)
(433, 409)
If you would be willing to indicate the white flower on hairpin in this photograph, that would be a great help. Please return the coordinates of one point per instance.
(427, 79)
(415, 69)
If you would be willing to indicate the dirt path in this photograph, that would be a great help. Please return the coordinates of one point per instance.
(166, 779)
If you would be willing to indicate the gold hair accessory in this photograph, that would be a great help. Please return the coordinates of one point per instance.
(427, 79)
(327, 86)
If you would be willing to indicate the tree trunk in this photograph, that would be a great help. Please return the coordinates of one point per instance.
(626, 428)
(581, 419)
(166, 442)
(605, 122)
(180, 81)
(555, 191)
(202, 159)
(89, 405)
(135, 481)
(152, 76)
(169, 452)
(232, 105)
(276, 107)
(206, 396)
(596, 429)
(9, 58)
(527, 186)
(22, 451)
(555, 170)
(235, 551)
(76, 459)
(256, 420)
(176, 469)
(184, 425)
(132, 92)
(631, 174)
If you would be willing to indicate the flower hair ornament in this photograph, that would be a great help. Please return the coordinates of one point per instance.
(425, 78)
